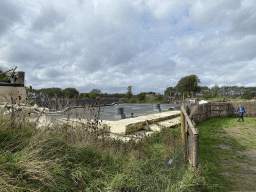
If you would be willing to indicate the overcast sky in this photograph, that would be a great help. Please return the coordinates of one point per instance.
(110, 45)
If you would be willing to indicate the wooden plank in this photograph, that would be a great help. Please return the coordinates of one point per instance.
(194, 130)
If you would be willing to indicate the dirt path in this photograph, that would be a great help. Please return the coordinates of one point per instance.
(242, 170)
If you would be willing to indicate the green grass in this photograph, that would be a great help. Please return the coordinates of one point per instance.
(42, 160)
(223, 98)
(238, 136)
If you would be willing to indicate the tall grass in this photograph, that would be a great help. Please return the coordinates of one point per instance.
(68, 157)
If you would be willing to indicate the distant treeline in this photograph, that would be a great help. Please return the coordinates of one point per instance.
(68, 93)
(217, 92)
(186, 86)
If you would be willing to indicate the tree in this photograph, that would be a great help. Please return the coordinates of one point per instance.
(82, 95)
(246, 96)
(96, 91)
(92, 95)
(159, 97)
(128, 94)
(207, 95)
(215, 90)
(188, 83)
(169, 91)
(141, 96)
(70, 93)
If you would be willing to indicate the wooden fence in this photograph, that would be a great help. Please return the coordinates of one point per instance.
(190, 138)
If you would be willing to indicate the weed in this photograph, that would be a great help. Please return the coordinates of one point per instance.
(79, 156)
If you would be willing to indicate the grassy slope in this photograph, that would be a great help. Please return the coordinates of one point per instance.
(39, 160)
(222, 147)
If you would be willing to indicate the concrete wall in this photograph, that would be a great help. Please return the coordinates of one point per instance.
(13, 92)
(72, 102)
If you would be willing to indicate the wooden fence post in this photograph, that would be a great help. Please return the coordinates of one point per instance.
(195, 151)
(183, 133)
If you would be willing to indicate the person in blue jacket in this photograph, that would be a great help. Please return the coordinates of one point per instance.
(242, 111)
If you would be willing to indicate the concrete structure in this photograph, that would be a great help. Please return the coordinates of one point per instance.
(119, 113)
(157, 107)
(9, 92)
(14, 91)
(125, 125)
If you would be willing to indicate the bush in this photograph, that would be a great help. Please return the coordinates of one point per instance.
(133, 100)
(92, 95)
(246, 96)
(141, 97)
(126, 100)
(159, 97)
(207, 95)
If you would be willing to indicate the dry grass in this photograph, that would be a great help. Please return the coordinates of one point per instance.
(81, 157)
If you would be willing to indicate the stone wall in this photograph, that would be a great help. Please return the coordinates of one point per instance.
(198, 113)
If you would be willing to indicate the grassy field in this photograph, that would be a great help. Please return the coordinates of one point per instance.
(227, 150)
(65, 158)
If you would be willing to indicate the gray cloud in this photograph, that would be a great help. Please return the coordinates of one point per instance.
(47, 20)
(9, 14)
(110, 45)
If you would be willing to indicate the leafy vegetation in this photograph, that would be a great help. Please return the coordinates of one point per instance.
(71, 158)
(207, 95)
(141, 97)
(246, 96)
(128, 94)
(3, 77)
(188, 83)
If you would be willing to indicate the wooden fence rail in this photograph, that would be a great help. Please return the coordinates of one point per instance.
(190, 138)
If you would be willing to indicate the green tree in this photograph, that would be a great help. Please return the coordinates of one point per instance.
(92, 95)
(159, 97)
(246, 96)
(82, 95)
(141, 96)
(207, 95)
(188, 83)
(215, 91)
(128, 94)
(70, 93)
(169, 91)
(96, 91)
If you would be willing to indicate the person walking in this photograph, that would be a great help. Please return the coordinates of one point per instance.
(242, 111)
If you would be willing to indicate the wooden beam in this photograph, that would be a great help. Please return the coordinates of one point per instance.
(193, 129)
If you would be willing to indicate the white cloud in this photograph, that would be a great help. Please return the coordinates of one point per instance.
(110, 45)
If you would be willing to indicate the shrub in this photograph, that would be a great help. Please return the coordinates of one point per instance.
(133, 100)
(207, 95)
(141, 97)
(246, 96)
